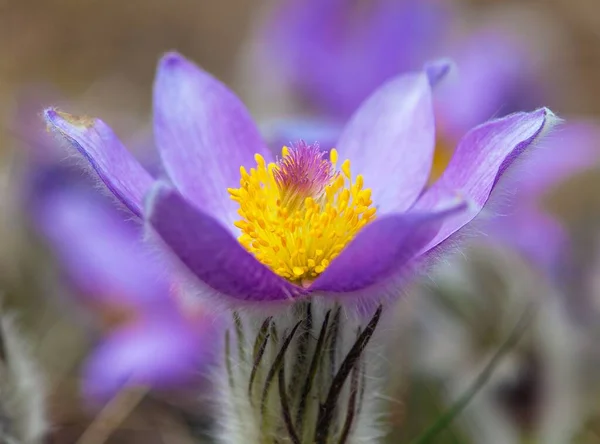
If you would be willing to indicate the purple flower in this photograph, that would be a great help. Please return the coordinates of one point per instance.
(151, 339)
(101, 252)
(372, 222)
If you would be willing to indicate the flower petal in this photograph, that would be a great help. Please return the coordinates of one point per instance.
(382, 249)
(204, 134)
(210, 252)
(101, 252)
(390, 141)
(116, 167)
(479, 161)
(159, 353)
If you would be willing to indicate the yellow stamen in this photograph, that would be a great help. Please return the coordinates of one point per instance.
(297, 235)
(333, 156)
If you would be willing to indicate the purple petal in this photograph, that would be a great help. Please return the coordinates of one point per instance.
(116, 167)
(479, 161)
(204, 134)
(159, 354)
(101, 253)
(210, 252)
(382, 249)
(390, 141)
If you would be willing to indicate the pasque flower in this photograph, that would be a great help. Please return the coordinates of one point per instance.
(381, 217)
(343, 226)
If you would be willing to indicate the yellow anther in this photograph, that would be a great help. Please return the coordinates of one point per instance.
(360, 181)
(260, 160)
(285, 151)
(346, 168)
(333, 156)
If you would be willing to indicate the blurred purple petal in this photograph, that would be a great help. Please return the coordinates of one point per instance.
(204, 134)
(102, 254)
(210, 251)
(571, 149)
(390, 141)
(479, 161)
(492, 80)
(381, 250)
(536, 235)
(162, 354)
(118, 169)
(337, 60)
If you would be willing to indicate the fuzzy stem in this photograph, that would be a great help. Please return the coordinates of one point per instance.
(320, 371)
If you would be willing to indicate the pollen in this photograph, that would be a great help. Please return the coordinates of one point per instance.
(299, 213)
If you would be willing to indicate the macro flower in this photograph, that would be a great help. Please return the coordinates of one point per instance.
(379, 215)
(309, 229)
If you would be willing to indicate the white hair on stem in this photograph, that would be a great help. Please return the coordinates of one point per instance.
(308, 374)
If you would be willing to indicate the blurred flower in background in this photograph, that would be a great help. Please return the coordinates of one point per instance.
(149, 335)
(524, 223)
(195, 217)
(151, 339)
(330, 55)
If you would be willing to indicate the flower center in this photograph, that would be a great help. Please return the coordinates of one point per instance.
(299, 213)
